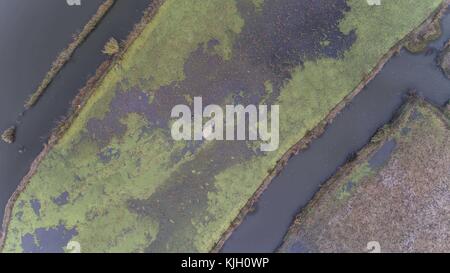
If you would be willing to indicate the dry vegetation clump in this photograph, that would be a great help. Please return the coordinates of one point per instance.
(112, 47)
(9, 135)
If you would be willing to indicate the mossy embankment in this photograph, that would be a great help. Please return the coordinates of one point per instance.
(396, 185)
(117, 180)
(67, 53)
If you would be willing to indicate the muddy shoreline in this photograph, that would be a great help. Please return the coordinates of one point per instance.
(321, 127)
(77, 104)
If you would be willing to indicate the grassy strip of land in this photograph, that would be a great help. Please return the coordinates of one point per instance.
(397, 185)
(127, 186)
(67, 53)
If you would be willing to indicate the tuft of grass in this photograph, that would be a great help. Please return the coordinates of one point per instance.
(9, 135)
(67, 53)
(112, 47)
(418, 42)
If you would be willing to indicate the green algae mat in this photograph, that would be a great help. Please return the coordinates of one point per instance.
(117, 181)
(393, 198)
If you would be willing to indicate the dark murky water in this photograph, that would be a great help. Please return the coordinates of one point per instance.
(263, 229)
(32, 34)
(382, 154)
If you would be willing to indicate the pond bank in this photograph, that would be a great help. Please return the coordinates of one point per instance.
(395, 186)
(360, 115)
(26, 26)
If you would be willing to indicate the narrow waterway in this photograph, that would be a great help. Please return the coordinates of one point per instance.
(263, 229)
(32, 34)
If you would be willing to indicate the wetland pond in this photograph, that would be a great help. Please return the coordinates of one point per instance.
(50, 24)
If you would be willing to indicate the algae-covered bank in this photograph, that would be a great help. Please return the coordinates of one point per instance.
(393, 198)
(117, 181)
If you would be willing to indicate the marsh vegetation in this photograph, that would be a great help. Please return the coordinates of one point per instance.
(117, 162)
(112, 47)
